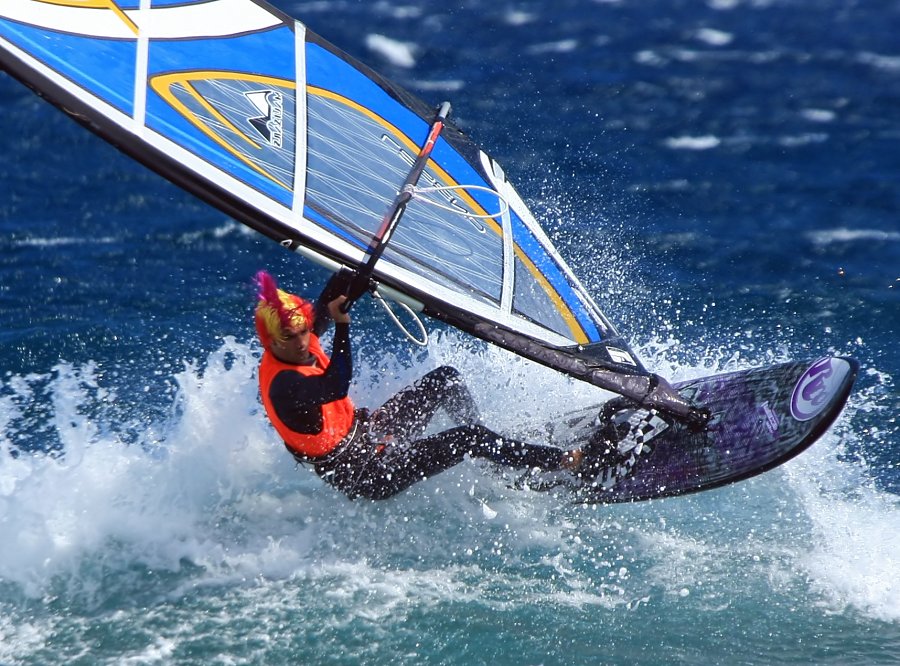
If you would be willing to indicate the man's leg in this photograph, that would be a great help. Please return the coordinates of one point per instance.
(406, 415)
(394, 468)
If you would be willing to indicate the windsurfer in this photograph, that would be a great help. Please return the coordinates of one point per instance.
(372, 455)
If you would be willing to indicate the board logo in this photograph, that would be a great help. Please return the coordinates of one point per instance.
(816, 388)
(769, 418)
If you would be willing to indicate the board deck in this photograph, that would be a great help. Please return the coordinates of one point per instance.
(760, 418)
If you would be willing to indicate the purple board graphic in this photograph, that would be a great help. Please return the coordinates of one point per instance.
(760, 419)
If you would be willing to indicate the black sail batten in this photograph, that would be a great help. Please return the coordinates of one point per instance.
(642, 388)
(592, 365)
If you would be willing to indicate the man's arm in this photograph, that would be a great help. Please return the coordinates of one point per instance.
(298, 398)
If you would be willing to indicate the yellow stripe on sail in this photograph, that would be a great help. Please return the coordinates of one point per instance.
(97, 4)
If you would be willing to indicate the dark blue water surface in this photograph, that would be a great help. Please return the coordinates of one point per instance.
(723, 176)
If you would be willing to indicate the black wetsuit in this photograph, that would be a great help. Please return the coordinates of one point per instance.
(389, 453)
(386, 452)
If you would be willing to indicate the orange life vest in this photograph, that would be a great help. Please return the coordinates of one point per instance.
(337, 416)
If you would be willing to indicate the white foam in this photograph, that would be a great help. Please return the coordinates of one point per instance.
(517, 17)
(857, 556)
(62, 241)
(889, 63)
(399, 54)
(845, 235)
(447, 85)
(401, 12)
(651, 58)
(705, 142)
(714, 37)
(854, 555)
(18, 637)
(215, 488)
(799, 140)
(154, 499)
(560, 46)
(225, 229)
(818, 115)
(218, 491)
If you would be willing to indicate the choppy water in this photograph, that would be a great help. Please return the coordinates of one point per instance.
(724, 177)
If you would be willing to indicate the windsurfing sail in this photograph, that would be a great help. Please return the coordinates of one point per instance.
(245, 107)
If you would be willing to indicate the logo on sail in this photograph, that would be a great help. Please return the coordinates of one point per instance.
(270, 123)
(248, 115)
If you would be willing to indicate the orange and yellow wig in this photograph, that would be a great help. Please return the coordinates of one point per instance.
(278, 312)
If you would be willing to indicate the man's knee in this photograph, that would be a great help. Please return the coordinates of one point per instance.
(446, 375)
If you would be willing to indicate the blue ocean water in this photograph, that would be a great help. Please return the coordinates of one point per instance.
(722, 175)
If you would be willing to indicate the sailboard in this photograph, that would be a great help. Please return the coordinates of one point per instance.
(759, 419)
(248, 109)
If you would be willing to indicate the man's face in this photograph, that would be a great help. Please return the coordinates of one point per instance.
(295, 347)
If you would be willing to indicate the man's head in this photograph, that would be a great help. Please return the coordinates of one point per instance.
(283, 320)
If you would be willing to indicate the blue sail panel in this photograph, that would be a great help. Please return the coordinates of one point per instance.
(103, 67)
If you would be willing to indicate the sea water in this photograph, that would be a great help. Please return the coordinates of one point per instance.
(722, 176)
